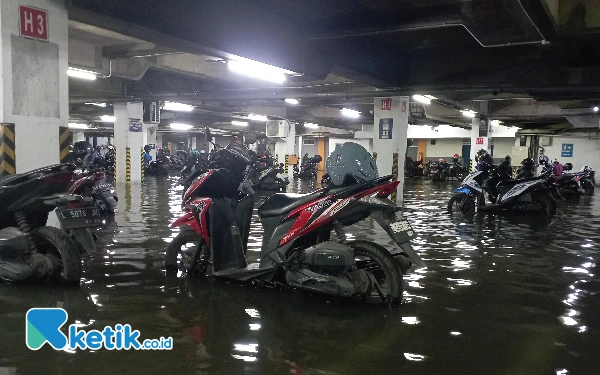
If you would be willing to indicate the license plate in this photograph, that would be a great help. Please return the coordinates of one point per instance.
(402, 227)
(74, 218)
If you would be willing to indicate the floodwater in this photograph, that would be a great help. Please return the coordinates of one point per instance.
(499, 295)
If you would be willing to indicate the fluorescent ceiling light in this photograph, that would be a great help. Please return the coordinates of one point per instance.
(311, 125)
(257, 70)
(180, 126)
(177, 107)
(496, 122)
(257, 117)
(468, 113)
(73, 125)
(422, 99)
(97, 104)
(350, 113)
(107, 118)
(239, 123)
(80, 73)
(292, 101)
(595, 109)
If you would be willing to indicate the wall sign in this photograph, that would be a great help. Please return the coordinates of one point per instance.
(152, 146)
(33, 23)
(567, 150)
(385, 128)
(404, 106)
(135, 125)
(479, 141)
(386, 104)
(483, 128)
(417, 111)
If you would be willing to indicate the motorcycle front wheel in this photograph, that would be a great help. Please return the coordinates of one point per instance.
(461, 203)
(376, 260)
(187, 253)
(546, 203)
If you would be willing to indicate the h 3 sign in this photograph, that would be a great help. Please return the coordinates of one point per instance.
(33, 23)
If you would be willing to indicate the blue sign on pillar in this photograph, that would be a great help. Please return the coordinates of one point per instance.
(567, 150)
(385, 128)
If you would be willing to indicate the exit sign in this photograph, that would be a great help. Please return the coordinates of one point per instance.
(33, 22)
(386, 104)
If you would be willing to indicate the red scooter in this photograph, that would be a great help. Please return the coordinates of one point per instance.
(297, 250)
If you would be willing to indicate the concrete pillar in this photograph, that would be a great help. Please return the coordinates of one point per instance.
(159, 140)
(78, 136)
(151, 138)
(389, 138)
(129, 134)
(481, 136)
(193, 143)
(33, 78)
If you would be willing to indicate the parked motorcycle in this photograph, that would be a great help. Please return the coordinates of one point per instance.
(503, 193)
(29, 249)
(267, 177)
(439, 170)
(308, 169)
(586, 179)
(93, 182)
(562, 185)
(456, 169)
(411, 167)
(526, 170)
(297, 249)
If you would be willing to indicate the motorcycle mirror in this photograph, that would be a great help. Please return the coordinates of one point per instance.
(250, 138)
(207, 135)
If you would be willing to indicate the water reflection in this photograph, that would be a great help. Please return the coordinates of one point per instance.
(500, 294)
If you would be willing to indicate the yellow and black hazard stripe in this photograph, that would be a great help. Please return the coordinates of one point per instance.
(128, 165)
(287, 158)
(395, 173)
(276, 159)
(375, 156)
(8, 164)
(143, 164)
(115, 166)
(471, 166)
(65, 139)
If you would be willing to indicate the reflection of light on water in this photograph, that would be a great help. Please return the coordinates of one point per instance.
(410, 320)
(567, 319)
(461, 282)
(250, 348)
(455, 333)
(563, 371)
(414, 357)
(254, 327)
(582, 329)
(253, 313)
(245, 358)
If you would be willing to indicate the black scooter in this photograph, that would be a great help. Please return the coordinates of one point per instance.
(28, 248)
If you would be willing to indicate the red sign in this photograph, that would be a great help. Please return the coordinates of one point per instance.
(479, 141)
(386, 104)
(33, 22)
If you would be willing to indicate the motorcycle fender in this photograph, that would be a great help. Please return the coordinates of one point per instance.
(188, 219)
(401, 233)
(462, 189)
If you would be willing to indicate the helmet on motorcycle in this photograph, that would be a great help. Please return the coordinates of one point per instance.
(528, 162)
(240, 152)
(147, 148)
(568, 167)
(480, 154)
(81, 148)
(351, 160)
(543, 160)
(507, 158)
(442, 160)
(455, 157)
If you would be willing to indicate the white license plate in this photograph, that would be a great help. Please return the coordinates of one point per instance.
(402, 226)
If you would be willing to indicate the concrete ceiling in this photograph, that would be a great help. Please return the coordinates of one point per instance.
(531, 63)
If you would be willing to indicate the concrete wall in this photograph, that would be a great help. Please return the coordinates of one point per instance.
(443, 148)
(586, 151)
(312, 150)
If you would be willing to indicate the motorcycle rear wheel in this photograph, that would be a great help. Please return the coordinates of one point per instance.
(461, 203)
(547, 204)
(55, 243)
(385, 269)
(194, 258)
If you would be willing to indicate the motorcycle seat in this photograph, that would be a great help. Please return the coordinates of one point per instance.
(282, 203)
(22, 177)
(510, 183)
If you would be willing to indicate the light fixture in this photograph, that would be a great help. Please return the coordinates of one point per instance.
(422, 99)
(257, 117)
(350, 113)
(595, 109)
(103, 105)
(292, 101)
(311, 125)
(257, 70)
(180, 126)
(107, 118)
(468, 113)
(177, 107)
(73, 125)
(80, 73)
(239, 123)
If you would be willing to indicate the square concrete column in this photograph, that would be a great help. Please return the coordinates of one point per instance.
(129, 142)
(481, 137)
(34, 92)
(389, 138)
(193, 143)
(151, 138)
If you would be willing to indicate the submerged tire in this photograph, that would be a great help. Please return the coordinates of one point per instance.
(547, 204)
(468, 208)
(52, 241)
(389, 266)
(184, 237)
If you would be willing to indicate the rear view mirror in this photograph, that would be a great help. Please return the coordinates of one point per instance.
(250, 138)
(207, 135)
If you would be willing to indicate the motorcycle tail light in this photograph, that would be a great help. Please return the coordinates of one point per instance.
(99, 176)
(388, 189)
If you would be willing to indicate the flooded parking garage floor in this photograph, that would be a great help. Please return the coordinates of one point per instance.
(499, 295)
